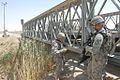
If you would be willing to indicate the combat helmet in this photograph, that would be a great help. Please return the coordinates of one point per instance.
(97, 20)
(61, 35)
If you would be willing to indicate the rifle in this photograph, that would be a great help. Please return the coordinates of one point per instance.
(89, 43)
(84, 57)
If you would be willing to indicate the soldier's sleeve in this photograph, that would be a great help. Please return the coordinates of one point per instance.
(55, 47)
(97, 43)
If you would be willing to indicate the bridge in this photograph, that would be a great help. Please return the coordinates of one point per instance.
(72, 17)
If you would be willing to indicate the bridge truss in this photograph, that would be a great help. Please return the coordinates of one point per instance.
(71, 17)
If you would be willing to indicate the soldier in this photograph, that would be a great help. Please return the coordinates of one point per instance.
(98, 52)
(57, 50)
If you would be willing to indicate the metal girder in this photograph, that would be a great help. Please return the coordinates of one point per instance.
(110, 14)
(102, 7)
(119, 1)
(62, 6)
(118, 7)
(71, 17)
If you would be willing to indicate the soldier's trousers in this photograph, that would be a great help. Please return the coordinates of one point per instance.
(96, 68)
(59, 64)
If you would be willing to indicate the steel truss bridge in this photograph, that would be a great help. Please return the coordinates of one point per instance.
(72, 17)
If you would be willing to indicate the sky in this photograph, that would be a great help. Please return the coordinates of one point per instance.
(23, 9)
(28, 9)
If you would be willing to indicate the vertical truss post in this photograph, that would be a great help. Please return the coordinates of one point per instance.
(92, 6)
(31, 31)
(29, 26)
(70, 24)
(92, 9)
(90, 15)
(52, 26)
(119, 25)
(57, 24)
(34, 28)
(83, 22)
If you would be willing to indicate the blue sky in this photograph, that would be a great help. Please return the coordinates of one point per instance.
(23, 9)
(27, 9)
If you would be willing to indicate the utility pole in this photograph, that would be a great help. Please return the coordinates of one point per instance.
(4, 5)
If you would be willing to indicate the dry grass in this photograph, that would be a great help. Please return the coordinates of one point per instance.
(24, 60)
(33, 61)
(8, 48)
(8, 44)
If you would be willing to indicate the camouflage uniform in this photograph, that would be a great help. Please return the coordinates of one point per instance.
(98, 58)
(57, 50)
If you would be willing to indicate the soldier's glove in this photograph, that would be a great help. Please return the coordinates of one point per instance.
(63, 50)
(57, 52)
(88, 49)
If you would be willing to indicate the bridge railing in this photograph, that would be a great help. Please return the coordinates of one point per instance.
(71, 17)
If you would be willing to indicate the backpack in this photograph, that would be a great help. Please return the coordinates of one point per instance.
(108, 43)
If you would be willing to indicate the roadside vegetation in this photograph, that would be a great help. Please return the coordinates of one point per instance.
(24, 59)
